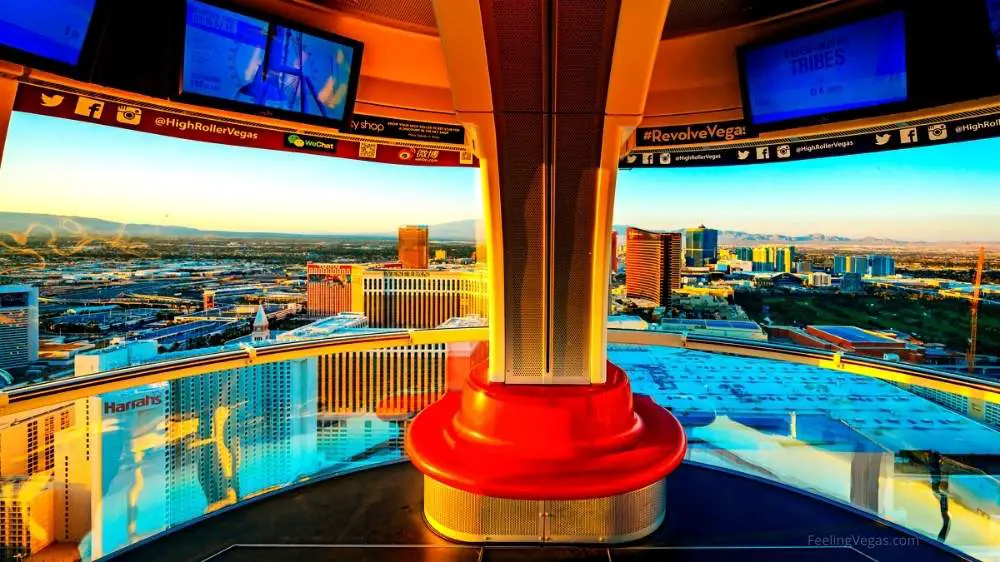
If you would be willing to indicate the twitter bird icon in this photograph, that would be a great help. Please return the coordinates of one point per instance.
(52, 101)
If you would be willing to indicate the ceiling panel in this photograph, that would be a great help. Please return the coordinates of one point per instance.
(412, 15)
(695, 16)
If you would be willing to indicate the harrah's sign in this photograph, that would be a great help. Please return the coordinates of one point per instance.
(111, 407)
(691, 134)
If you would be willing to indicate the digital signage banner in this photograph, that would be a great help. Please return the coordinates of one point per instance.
(692, 134)
(402, 129)
(102, 111)
(905, 137)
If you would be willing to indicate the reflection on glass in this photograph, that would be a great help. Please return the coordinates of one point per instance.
(887, 449)
(92, 476)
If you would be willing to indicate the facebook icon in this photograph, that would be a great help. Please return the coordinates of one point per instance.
(90, 108)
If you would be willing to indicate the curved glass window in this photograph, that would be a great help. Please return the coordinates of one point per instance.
(874, 255)
(119, 248)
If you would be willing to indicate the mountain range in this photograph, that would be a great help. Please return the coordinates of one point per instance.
(461, 230)
(41, 225)
(738, 237)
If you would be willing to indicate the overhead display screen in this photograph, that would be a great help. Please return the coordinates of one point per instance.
(310, 74)
(223, 52)
(853, 66)
(50, 29)
(233, 57)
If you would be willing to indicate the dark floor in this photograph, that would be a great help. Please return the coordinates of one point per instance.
(376, 515)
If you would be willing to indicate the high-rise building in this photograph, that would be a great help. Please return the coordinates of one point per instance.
(26, 516)
(34, 450)
(803, 266)
(27, 441)
(839, 265)
(881, 265)
(851, 283)
(652, 265)
(408, 298)
(129, 468)
(773, 258)
(413, 247)
(614, 251)
(328, 288)
(763, 258)
(820, 279)
(857, 264)
(701, 246)
(743, 253)
(396, 380)
(18, 326)
(391, 381)
(396, 298)
(784, 258)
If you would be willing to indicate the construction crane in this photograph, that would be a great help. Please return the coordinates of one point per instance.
(977, 283)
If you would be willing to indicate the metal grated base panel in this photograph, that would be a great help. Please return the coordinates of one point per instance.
(466, 517)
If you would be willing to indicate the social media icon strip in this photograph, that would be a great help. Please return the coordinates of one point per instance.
(55, 100)
(742, 154)
(129, 115)
(88, 107)
(908, 135)
(763, 152)
(937, 132)
(882, 138)
(784, 151)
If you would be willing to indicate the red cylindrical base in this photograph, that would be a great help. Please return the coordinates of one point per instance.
(546, 442)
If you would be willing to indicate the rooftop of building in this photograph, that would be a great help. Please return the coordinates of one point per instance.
(627, 322)
(337, 323)
(470, 321)
(712, 324)
(17, 288)
(853, 334)
(757, 392)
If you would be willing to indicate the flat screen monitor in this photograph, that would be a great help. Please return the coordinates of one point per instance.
(36, 32)
(262, 66)
(993, 7)
(837, 71)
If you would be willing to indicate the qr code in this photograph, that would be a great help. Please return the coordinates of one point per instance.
(368, 149)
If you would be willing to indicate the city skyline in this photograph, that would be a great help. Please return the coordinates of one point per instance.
(131, 177)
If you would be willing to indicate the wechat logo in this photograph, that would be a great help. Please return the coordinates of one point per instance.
(296, 141)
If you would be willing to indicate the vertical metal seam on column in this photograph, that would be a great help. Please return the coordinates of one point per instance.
(549, 107)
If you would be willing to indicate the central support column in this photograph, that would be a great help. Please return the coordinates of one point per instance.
(547, 442)
(549, 66)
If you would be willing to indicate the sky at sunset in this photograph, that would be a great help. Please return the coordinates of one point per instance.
(54, 166)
